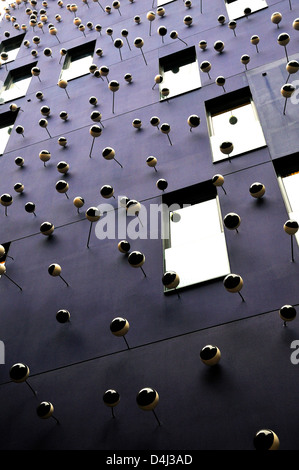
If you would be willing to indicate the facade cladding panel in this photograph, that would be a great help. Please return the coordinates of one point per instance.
(64, 148)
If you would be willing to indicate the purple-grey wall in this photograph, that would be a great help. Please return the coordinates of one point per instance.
(72, 364)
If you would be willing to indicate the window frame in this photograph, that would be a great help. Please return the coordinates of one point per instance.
(161, 3)
(186, 57)
(287, 167)
(76, 54)
(7, 46)
(192, 196)
(7, 120)
(227, 103)
(236, 11)
(14, 76)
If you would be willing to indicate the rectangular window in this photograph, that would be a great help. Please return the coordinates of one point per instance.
(77, 61)
(235, 8)
(195, 246)
(11, 46)
(232, 117)
(16, 83)
(163, 2)
(7, 121)
(287, 170)
(180, 72)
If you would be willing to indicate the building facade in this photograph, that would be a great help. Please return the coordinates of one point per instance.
(142, 142)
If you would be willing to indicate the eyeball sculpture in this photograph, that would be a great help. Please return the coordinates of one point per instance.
(158, 80)
(232, 221)
(165, 129)
(292, 67)
(193, 121)
(136, 259)
(255, 40)
(63, 316)
(109, 154)
(19, 373)
(78, 202)
(62, 187)
(162, 184)
(111, 398)
(188, 20)
(152, 162)
(257, 190)
(284, 39)
(203, 45)
(114, 87)
(287, 313)
(120, 327)
(210, 355)
(220, 81)
(93, 215)
(291, 228)
(232, 25)
(266, 439)
(226, 148)
(95, 131)
(137, 123)
(150, 16)
(118, 43)
(218, 180)
(45, 410)
(107, 191)
(6, 200)
(147, 399)
(245, 59)
(30, 208)
(55, 270)
(19, 161)
(124, 246)
(20, 130)
(205, 67)
(276, 18)
(287, 91)
(47, 228)
(219, 46)
(170, 280)
(18, 187)
(233, 283)
(138, 42)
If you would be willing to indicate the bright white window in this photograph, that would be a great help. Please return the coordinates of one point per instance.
(16, 83)
(77, 62)
(180, 72)
(11, 46)
(235, 8)
(6, 126)
(234, 119)
(196, 247)
(289, 185)
(15, 88)
(163, 2)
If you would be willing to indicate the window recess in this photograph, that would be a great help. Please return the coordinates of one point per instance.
(11, 46)
(194, 244)
(7, 121)
(180, 72)
(16, 83)
(235, 8)
(77, 61)
(287, 170)
(232, 117)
